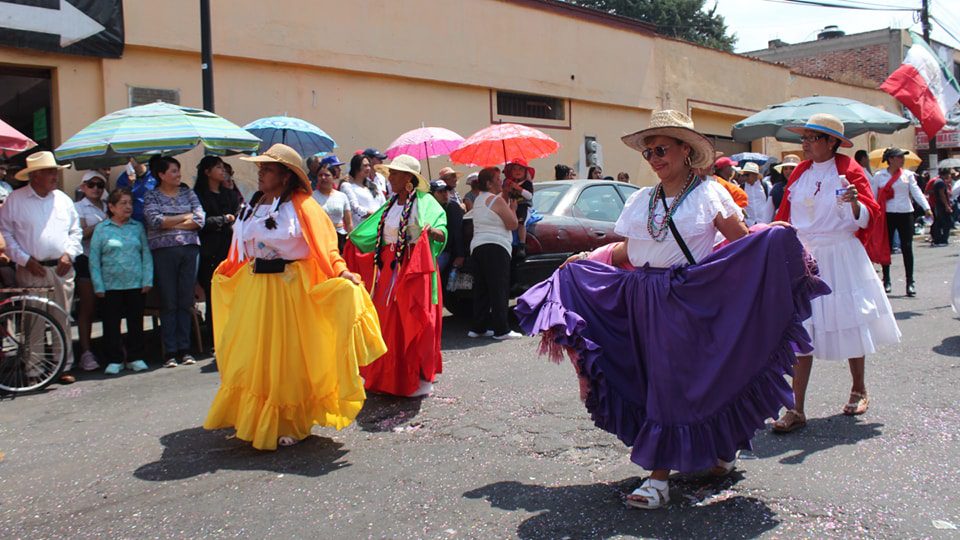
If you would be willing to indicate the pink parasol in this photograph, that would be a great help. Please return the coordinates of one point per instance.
(12, 141)
(501, 143)
(425, 143)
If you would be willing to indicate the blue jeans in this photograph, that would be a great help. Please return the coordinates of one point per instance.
(175, 274)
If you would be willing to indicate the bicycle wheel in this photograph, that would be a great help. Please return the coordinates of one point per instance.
(32, 349)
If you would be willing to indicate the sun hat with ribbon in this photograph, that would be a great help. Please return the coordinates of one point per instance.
(405, 163)
(284, 155)
(827, 124)
(39, 162)
(676, 125)
(789, 160)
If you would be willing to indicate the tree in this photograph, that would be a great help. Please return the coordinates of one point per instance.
(682, 19)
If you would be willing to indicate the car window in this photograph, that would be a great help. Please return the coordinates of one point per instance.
(599, 203)
(627, 190)
(545, 199)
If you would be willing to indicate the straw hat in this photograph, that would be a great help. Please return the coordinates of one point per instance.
(284, 155)
(405, 163)
(39, 162)
(824, 123)
(750, 167)
(679, 126)
(789, 160)
(447, 170)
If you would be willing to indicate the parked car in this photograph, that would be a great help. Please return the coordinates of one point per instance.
(578, 215)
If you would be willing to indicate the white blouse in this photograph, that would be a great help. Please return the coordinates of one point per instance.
(283, 242)
(814, 210)
(904, 189)
(391, 227)
(694, 219)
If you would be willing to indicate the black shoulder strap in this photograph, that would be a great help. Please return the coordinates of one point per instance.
(676, 233)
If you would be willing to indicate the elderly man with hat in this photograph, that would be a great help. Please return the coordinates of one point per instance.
(758, 191)
(455, 252)
(451, 177)
(395, 250)
(830, 202)
(43, 235)
(636, 315)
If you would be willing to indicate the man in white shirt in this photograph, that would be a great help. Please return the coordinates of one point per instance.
(758, 191)
(42, 230)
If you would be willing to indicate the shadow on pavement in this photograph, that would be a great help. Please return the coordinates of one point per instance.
(598, 511)
(196, 451)
(948, 347)
(382, 412)
(820, 434)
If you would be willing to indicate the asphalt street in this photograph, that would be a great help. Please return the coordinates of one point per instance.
(503, 449)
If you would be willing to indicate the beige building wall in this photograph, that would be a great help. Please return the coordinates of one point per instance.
(384, 67)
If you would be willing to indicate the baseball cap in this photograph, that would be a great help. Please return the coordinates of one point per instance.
(92, 175)
(439, 185)
(373, 152)
(330, 161)
(724, 162)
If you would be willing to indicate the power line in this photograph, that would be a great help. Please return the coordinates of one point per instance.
(944, 28)
(841, 6)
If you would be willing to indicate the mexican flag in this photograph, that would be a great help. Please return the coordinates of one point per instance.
(924, 86)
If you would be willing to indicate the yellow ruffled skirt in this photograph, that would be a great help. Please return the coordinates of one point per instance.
(289, 353)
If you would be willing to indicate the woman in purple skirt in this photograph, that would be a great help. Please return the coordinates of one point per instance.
(680, 349)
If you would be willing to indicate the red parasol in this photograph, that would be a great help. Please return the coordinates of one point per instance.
(502, 143)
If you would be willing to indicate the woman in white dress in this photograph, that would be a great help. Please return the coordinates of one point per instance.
(830, 202)
(365, 198)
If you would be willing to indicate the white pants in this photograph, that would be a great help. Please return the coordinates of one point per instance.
(62, 294)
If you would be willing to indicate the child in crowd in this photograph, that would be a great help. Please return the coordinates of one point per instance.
(121, 268)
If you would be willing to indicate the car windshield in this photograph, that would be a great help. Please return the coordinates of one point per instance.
(545, 199)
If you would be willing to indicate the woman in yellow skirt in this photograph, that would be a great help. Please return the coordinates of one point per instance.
(291, 325)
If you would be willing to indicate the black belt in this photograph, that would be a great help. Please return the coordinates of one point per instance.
(51, 262)
(270, 266)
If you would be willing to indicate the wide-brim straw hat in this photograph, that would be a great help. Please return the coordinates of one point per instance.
(789, 160)
(827, 124)
(674, 124)
(284, 155)
(39, 162)
(405, 163)
(750, 167)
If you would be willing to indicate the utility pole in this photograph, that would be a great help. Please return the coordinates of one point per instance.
(925, 24)
(206, 55)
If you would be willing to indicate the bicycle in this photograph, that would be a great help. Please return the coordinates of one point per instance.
(33, 351)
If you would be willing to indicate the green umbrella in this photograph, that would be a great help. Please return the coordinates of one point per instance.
(858, 118)
(156, 128)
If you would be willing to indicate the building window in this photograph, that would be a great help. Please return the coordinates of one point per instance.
(143, 96)
(531, 106)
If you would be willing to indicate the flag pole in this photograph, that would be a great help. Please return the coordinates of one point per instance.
(925, 24)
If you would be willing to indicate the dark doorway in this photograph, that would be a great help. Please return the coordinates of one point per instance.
(25, 97)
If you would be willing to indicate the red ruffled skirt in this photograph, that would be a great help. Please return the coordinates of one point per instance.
(411, 323)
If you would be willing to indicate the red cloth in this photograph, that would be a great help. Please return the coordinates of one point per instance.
(884, 194)
(410, 322)
(874, 236)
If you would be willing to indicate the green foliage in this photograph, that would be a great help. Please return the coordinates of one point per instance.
(682, 19)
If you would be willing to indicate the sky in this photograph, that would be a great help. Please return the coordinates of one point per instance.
(757, 21)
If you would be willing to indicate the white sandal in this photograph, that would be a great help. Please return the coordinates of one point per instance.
(653, 497)
(286, 440)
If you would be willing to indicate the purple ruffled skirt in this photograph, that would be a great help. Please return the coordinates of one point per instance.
(682, 364)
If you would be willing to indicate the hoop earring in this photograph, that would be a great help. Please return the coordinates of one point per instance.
(409, 187)
(687, 161)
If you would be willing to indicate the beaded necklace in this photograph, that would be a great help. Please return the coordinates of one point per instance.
(657, 226)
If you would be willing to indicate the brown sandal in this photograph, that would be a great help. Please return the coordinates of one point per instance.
(858, 404)
(790, 421)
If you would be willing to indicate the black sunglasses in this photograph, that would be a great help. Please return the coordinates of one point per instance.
(813, 138)
(660, 151)
(100, 185)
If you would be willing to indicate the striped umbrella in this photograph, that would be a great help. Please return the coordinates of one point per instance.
(156, 128)
(304, 137)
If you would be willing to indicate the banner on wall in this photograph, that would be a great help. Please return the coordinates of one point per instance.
(84, 27)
